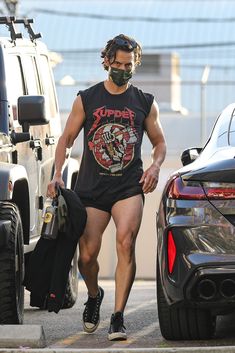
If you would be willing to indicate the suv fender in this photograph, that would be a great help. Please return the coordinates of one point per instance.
(14, 188)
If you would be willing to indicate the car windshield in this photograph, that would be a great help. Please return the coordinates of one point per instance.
(219, 135)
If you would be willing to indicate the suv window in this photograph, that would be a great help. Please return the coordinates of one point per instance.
(14, 78)
(31, 75)
(14, 81)
(47, 85)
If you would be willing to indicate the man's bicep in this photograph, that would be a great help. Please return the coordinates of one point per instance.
(74, 122)
(153, 126)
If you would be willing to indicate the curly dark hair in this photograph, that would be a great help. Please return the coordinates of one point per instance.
(124, 43)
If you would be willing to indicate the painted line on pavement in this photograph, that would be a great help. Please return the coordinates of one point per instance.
(144, 332)
(73, 338)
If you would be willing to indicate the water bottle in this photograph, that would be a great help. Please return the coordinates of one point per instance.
(50, 220)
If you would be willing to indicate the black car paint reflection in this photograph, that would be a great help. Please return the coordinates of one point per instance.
(196, 237)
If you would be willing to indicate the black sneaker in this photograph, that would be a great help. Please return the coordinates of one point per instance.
(117, 329)
(91, 314)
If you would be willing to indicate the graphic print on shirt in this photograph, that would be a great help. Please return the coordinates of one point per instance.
(112, 138)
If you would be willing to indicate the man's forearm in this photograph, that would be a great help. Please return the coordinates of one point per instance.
(158, 154)
(60, 156)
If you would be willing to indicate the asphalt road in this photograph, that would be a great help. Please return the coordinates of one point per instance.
(64, 330)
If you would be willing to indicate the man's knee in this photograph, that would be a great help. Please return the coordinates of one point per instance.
(126, 243)
(86, 259)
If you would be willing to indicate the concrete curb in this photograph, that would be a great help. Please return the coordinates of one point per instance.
(218, 349)
(16, 336)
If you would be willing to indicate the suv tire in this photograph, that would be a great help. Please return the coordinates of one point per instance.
(72, 284)
(12, 268)
(182, 323)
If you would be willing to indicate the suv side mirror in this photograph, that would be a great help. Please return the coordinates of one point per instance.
(190, 155)
(31, 111)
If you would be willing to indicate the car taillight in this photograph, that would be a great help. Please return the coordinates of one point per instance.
(219, 191)
(179, 189)
(171, 251)
(192, 190)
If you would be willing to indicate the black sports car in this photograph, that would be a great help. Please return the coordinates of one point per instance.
(196, 237)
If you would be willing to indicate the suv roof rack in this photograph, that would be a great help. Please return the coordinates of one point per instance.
(10, 22)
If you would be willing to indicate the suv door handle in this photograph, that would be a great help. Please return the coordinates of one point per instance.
(49, 140)
(35, 143)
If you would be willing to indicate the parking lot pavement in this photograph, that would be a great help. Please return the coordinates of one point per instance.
(65, 328)
(64, 332)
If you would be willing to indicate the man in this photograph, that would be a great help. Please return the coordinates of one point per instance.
(111, 182)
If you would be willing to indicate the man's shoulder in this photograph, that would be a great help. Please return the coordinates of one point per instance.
(140, 91)
(143, 95)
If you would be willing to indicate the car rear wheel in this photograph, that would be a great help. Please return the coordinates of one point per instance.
(182, 323)
(12, 268)
(72, 284)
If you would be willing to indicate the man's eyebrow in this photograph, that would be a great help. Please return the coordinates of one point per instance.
(118, 62)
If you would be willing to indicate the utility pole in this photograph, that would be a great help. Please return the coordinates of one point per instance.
(204, 79)
(10, 7)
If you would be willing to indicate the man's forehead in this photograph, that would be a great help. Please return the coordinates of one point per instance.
(124, 56)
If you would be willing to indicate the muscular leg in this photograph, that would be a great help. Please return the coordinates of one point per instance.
(89, 247)
(127, 215)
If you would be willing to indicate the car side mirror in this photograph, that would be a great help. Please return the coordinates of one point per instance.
(31, 111)
(190, 155)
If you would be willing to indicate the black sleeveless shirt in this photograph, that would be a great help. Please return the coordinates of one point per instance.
(113, 132)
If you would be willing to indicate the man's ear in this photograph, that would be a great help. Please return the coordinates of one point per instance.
(106, 61)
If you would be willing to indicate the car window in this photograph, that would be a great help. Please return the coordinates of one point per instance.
(220, 132)
(223, 137)
(232, 131)
(14, 82)
(48, 86)
(31, 75)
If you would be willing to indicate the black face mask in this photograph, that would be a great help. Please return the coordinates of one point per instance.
(119, 77)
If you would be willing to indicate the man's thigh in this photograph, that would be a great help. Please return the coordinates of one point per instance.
(127, 215)
(97, 221)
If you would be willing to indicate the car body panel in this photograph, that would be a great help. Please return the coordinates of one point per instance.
(203, 229)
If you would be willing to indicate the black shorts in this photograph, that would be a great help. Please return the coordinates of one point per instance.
(105, 203)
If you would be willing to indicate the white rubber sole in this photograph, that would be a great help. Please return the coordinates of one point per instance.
(117, 336)
(88, 329)
(88, 326)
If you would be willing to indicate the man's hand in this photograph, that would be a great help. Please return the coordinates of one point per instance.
(149, 178)
(51, 191)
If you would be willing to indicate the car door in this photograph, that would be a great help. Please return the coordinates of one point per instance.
(24, 154)
(53, 130)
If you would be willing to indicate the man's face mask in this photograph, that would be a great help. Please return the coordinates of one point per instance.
(119, 77)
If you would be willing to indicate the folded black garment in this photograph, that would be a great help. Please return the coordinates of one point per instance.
(49, 264)
(77, 215)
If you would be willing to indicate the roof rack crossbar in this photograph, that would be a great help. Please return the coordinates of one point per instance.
(6, 19)
(9, 22)
(27, 24)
